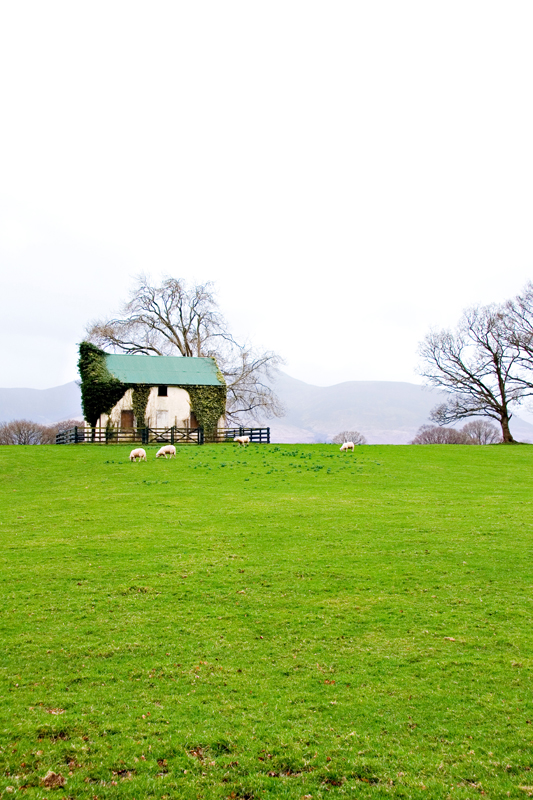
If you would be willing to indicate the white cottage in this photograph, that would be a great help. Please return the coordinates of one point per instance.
(168, 381)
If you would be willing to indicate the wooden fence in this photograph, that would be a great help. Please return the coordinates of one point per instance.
(87, 435)
(255, 434)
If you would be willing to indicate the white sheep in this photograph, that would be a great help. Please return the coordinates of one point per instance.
(168, 449)
(139, 453)
(244, 440)
(347, 446)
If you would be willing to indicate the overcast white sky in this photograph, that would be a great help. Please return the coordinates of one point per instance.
(348, 173)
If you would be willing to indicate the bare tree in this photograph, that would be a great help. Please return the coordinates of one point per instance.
(22, 431)
(479, 431)
(478, 366)
(176, 319)
(247, 373)
(349, 436)
(518, 319)
(435, 434)
(169, 319)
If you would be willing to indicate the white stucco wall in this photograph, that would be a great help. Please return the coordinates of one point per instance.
(177, 407)
(124, 404)
(161, 412)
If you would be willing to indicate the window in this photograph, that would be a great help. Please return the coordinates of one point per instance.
(162, 391)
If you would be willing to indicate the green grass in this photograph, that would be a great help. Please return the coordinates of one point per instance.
(282, 621)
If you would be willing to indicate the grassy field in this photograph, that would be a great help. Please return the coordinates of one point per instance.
(282, 621)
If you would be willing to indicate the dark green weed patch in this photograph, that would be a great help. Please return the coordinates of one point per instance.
(277, 621)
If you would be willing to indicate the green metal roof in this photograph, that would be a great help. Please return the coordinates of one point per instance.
(164, 370)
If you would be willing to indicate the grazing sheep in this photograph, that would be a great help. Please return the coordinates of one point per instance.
(139, 454)
(168, 449)
(244, 440)
(347, 446)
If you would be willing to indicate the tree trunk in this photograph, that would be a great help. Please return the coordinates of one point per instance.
(506, 433)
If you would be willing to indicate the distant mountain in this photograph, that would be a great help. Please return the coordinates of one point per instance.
(386, 412)
(41, 405)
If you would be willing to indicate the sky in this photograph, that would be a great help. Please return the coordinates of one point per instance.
(348, 174)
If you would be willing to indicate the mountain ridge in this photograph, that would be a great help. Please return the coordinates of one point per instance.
(45, 406)
(386, 412)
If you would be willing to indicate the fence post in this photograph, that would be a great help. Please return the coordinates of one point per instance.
(172, 434)
(75, 434)
(200, 435)
(268, 435)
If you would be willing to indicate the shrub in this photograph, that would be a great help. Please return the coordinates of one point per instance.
(21, 431)
(434, 434)
(482, 432)
(24, 431)
(349, 436)
(478, 431)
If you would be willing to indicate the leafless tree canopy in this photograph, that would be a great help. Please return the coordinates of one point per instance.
(479, 431)
(518, 316)
(176, 319)
(247, 372)
(349, 436)
(435, 434)
(24, 431)
(478, 365)
(169, 319)
(21, 431)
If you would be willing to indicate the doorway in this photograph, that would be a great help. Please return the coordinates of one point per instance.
(126, 419)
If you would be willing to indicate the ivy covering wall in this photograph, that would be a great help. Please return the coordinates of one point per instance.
(208, 404)
(100, 391)
(139, 401)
